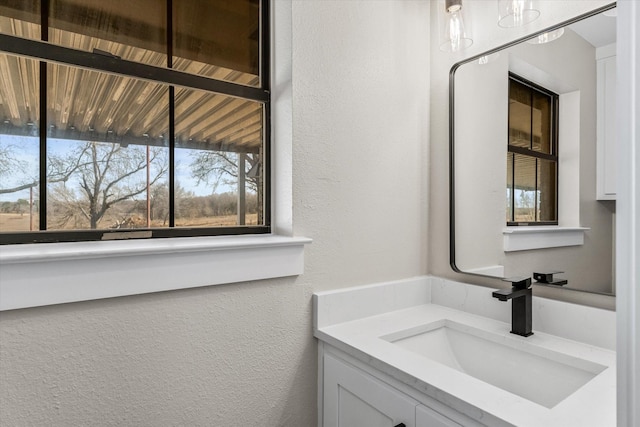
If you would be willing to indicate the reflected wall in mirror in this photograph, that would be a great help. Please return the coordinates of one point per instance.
(532, 157)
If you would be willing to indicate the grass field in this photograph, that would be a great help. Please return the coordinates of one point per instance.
(11, 222)
(17, 222)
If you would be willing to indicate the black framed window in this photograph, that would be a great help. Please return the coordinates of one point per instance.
(125, 119)
(532, 154)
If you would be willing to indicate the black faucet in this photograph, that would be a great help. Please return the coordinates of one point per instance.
(546, 278)
(521, 295)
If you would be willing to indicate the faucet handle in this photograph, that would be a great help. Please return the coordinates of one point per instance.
(522, 282)
(546, 277)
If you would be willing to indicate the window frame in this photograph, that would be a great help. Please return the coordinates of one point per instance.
(35, 275)
(46, 52)
(554, 157)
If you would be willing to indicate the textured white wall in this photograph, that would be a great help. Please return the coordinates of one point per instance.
(244, 354)
(361, 96)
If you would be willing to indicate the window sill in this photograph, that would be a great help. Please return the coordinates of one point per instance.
(535, 237)
(45, 274)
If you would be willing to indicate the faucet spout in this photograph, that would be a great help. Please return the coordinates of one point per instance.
(521, 306)
(507, 294)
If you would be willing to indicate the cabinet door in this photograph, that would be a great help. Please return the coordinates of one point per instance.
(606, 129)
(427, 417)
(353, 398)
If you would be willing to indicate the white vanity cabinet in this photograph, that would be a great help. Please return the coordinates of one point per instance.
(427, 417)
(606, 123)
(353, 397)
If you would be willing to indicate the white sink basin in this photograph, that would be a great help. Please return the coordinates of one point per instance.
(513, 364)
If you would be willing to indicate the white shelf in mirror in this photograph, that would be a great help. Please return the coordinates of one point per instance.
(523, 238)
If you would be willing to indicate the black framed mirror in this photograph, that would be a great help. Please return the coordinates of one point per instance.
(531, 131)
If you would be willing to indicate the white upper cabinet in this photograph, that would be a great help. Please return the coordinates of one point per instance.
(606, 122)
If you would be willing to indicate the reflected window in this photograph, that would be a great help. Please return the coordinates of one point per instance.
(149, 115)
(532, 155)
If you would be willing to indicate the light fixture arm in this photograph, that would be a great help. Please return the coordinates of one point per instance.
(452, 6)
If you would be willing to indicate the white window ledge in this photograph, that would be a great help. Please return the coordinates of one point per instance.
(44, 274)
(538, 237)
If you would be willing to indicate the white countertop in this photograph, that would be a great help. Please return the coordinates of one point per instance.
(594, 404)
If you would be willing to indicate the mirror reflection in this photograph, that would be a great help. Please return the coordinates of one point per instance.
(533, 162)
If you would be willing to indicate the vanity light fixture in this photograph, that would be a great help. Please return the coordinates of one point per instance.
(547, 37)
(516, 13)
(453, 33)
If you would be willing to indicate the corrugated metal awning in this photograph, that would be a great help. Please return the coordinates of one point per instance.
(95, 106)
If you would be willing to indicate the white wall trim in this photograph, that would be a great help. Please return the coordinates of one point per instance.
(282, 118)
(46, 274)
(628, 214)
(569, 159)
(78, 251)
(537, 237)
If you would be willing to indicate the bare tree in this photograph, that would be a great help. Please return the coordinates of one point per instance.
(106, 174)
(58, 170)
(216, 167)
(159, 202)
(14, 170)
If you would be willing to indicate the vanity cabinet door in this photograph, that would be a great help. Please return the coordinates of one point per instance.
(427, 417)
(353, 398)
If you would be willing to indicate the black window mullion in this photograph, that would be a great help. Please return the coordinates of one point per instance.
(169, 33)
(44, 36)
(531, 153)
(535, 170)
(172, 116)
(42, 208)
(266, 163)
(556, 109)
(513, 187)
(265, 45)
(172, 157)
(535, 194)
(44, 20)
(265, 83)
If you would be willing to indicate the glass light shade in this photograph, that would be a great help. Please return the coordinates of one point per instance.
(484, 60)
(547, 37)
(453, 32)
(516, 13)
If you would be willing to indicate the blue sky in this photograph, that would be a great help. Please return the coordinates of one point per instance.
(26, 151)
